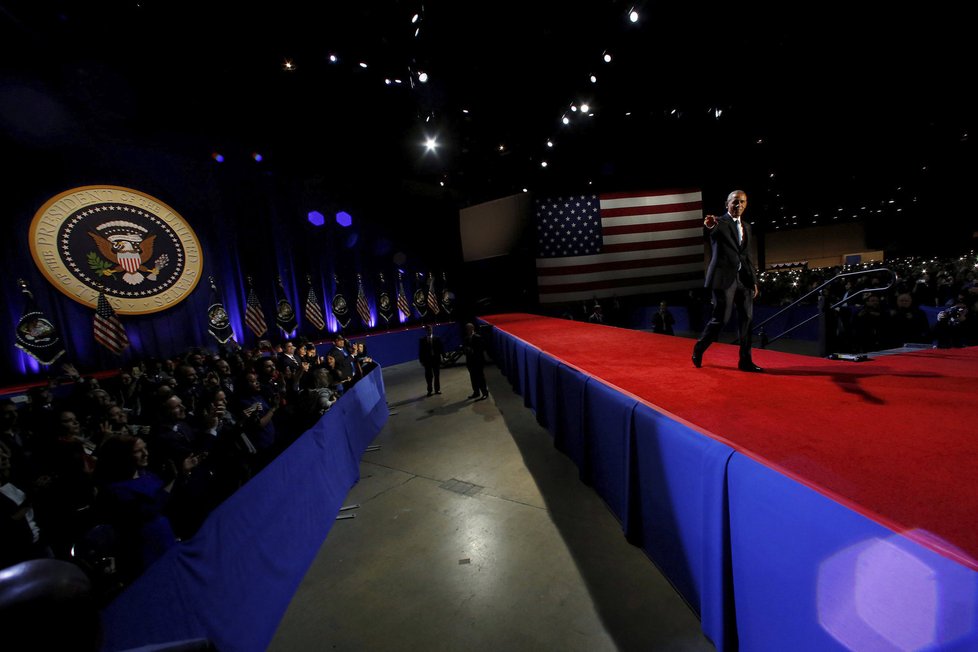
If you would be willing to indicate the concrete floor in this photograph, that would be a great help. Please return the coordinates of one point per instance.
(474, 533)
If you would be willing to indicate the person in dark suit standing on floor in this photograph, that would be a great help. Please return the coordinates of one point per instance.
(475, 361)
(732, 278)
(430, 349)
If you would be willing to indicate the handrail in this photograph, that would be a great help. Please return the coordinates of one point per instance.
(848, 297)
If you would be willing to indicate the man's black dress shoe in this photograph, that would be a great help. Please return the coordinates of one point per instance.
(750, 367)
(697, 360)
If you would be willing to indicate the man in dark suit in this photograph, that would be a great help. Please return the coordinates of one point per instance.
(475, 361)
(430, 349)
(732, 278)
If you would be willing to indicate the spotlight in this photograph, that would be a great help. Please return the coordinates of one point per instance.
(288, 66)
(344, 219)
(423, 77)
(585, 108)
(633, 16)
(566, 120)
(502, 148)
(363, 64)
(414, 18)
(430, 144)
(594, 79)
(316, 218)
(333, 58)
(218, 157)
(607, 58)
(550, 143)
(573, 107)
(543, 164)
(528, 190)
(257, 157)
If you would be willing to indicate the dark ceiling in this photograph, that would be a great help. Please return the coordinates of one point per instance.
(819, 110)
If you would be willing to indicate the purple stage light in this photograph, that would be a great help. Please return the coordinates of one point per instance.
(258, 157)
(218, 157)
(344, 219)
(316, 218)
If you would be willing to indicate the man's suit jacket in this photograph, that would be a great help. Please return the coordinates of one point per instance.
(729, 254)
(430, 355)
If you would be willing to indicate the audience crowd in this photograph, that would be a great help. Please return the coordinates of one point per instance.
(874, 321)
(113, 472)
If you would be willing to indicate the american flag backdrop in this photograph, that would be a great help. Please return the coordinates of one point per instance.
(433, 303)
(254, 315)
(107, 328)
(594, 246)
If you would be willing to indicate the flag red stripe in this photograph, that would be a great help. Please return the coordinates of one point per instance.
(648, 227)
(620, 283)
(654, 193)
(619, 264)
(648, 246)
(625, 211)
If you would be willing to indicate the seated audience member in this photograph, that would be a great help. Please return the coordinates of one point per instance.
(663, 321)
(871, 326)
(341, 357)
(20, 535)
(366, 362)
(908, 324)
(132, 499)
(256, 415)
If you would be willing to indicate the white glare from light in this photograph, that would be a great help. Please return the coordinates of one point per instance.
(422, 77)
(414, 19)
(543, 164)
(607, 58)
(633, 16)
(363, 64)
(585, 108)
(550, 143)
(566, 120)
(430, 144)
(594, 79)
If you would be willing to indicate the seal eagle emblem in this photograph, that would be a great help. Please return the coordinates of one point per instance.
(118, 240)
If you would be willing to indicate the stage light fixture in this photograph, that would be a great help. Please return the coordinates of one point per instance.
(594, 79)
(288, 66)
(344, 219)
(430, 144)
(316, 218)
(414, 18)
(607, 57)
(422, 77)
(333, 58)
(633, 15)
(217, 156)
(550, 143)
(543, 164)
(566, 120)
(585, 108)
(573, 107)
(257, 157)
(363, 64)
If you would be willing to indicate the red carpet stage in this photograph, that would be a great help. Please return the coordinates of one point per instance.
(892, 439)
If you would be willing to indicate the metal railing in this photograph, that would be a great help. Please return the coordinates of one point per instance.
(822, 309)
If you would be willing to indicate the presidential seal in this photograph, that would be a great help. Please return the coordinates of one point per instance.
(126, 243)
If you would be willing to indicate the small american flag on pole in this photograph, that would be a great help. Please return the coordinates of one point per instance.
(313, 312)
(107, 328)
(363, 308)
(433, 304)
(254, 316)
(592, 246)
(403, 306)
